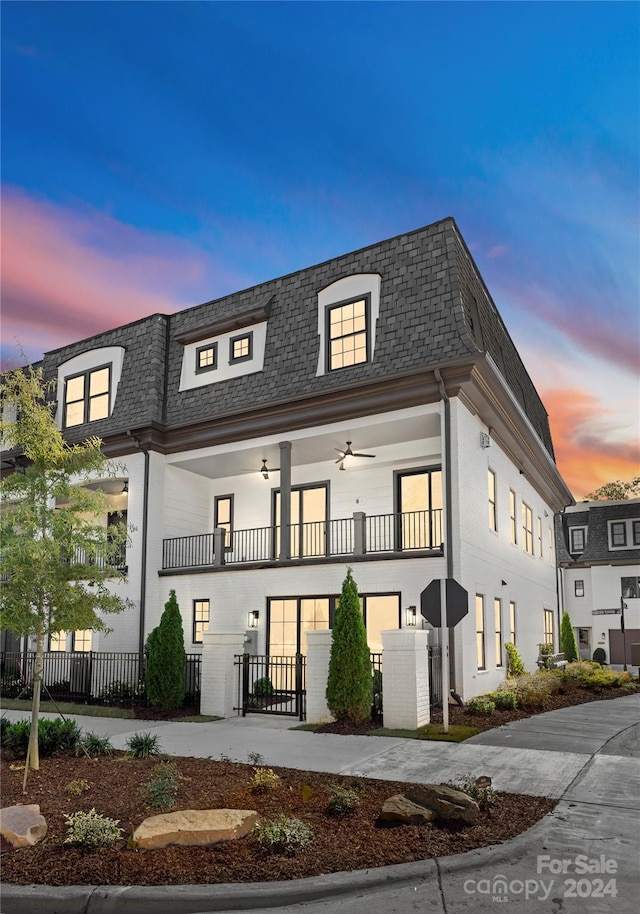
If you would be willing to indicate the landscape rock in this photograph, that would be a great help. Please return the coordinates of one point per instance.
(401, 811)
(447, 803)
(22, 826)
(190, 827)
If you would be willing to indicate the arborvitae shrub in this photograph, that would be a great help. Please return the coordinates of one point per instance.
(568, 643)
(167, 659)
(350, 683)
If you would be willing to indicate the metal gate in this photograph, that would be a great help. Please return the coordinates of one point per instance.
(272, 685)
(435, 675)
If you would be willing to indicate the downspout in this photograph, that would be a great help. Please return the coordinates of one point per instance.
(143, 562)
(448, 514)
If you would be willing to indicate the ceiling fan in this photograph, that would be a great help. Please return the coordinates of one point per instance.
(348, 453)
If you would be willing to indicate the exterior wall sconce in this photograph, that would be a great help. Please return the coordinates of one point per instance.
(485, 440)
(253, 619)
(125, 487)
(410, 619)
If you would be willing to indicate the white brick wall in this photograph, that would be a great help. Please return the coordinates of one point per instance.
(219, 678)
(405, 679)
(318, 656)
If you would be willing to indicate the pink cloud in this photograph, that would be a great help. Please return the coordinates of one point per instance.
(498, 250)
(585, 458)
(69, 274)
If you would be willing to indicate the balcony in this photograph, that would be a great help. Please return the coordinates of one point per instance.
(397, 534)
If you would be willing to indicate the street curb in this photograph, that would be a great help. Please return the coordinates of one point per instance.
(202, 899)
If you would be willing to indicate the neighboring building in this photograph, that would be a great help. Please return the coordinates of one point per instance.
(598, 548)
(235, 416)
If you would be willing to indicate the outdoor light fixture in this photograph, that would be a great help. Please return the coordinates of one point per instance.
(504, 583)
(254, 616)
(265, 469)
(125, 487)
(485, 440)
(411, 616)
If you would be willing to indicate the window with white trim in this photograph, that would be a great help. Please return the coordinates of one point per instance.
(577, 539)
(624, 534)
(512, 622)
(578, 588)
(527, 528)
(540, 537)
(548, 627)
(513, 524)
(480, 648)
(493, 516)
(497, 615)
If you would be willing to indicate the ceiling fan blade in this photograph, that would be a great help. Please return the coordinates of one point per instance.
(340, 459)
(363, 455)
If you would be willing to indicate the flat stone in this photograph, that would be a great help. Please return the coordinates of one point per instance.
(446, 802)
(401, 811)
(191, 827)
(22, 826)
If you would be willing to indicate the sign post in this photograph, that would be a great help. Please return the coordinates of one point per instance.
(444, 603)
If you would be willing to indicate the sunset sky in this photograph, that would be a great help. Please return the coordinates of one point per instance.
(157, 155)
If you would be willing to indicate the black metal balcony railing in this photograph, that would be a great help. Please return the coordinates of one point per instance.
(357, 535)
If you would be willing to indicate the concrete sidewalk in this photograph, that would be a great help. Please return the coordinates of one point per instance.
(588, 756)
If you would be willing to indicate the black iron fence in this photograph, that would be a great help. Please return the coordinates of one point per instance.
(435, 675)
(90, 677)
(376, 670)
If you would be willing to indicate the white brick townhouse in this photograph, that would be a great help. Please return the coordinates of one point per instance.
(235, 423)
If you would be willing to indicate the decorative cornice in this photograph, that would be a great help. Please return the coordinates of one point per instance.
(224, 324)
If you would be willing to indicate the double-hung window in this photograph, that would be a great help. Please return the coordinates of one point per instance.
(578, 588)
(223, 517)
(497, 614)
(527, 528)
(577, 539)
(200, 619)
(493, 517)
(513, 525)
(87, 396)
(548, 627)
(512, 622)
(347, 336)
(480, 651)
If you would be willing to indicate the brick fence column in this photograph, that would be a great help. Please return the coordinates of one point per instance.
(318, 654)
(219, 680)
(405, 679)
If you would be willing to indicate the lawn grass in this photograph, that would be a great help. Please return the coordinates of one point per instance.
(68, 707)
(456, 734)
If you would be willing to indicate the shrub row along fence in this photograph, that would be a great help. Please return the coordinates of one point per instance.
(89, 677)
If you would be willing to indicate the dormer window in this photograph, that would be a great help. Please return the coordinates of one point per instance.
(241, 348)
(207, 357)
(624, 534)
(347, 333)
(87, 396)
(577, 539)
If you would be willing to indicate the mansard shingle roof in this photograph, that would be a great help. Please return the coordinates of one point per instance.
(595, 517)
(434, 310)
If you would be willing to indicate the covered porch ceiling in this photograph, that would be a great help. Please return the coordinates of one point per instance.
(372, 435)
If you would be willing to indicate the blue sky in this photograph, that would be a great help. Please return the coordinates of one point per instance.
(156, 155)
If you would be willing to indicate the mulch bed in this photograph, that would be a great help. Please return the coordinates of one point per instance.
(350, 843)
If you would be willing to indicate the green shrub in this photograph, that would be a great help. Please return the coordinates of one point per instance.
(343, 800)
(90, 830)
(56, 735)
(593, 676)
(546, 649)
(533, 690)
(94, 746)
(77, 788)
(282, 834)
(159, 792)
(504, 699)
(568, 644)
(484, 796)
(118, 692)
(264, 779)
(515, 666)
(600, 655)
(166, 667)
(142, 745)
(4, 726)
(349, 691)
(263, 687)
(482, 705)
